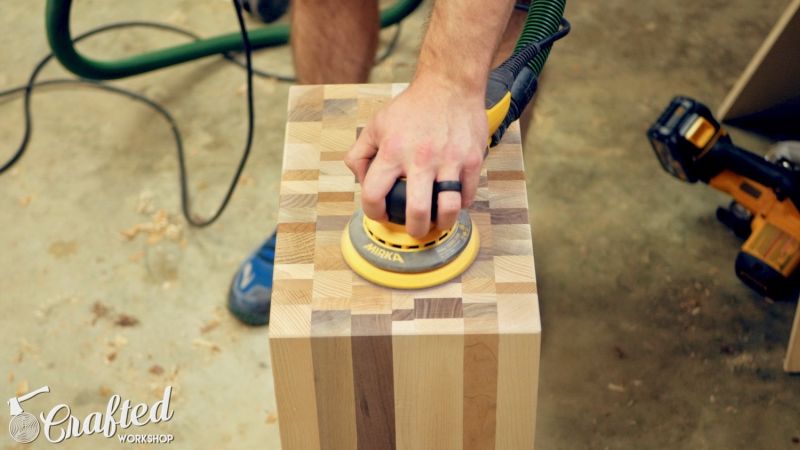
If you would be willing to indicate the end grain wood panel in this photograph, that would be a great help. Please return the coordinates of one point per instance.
(359, 366)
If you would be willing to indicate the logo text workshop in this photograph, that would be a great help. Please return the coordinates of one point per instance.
(59, 424)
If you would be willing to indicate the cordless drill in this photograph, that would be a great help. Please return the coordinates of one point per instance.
(691, 145)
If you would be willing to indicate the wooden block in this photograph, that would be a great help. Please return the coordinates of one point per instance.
(359, 366)
(792, 361)
(772, 77)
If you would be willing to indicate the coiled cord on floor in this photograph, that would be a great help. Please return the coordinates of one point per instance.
(28, 88)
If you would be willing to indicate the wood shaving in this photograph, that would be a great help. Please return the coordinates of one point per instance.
(136, 257)
(25, 200)
(199, 342)
(125, 320)
(99, 311)
(616, 387)
(159, 227)
(210, 325)
(119, 341)
(155, 369)
(22, 388)
(177, 17)
(145, 203)
(246, 180)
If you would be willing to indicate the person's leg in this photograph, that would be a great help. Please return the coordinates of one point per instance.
(510, 37)
(505, 49)
(251, 289)
(334, 41)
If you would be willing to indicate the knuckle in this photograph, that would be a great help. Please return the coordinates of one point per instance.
(473, 161)
(424, 154)
(349, 161)
(449, 204)
(416, 230)
(417, 212)
(390, 150)
(370, 196)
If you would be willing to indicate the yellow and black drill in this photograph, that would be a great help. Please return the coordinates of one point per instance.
(691, 145)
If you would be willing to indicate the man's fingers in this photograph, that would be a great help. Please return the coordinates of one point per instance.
(378, 180)
(360, 156)
(419, 190)
(470, 177)
(448, 202)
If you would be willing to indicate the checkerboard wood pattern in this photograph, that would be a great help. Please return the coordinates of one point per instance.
(358, 366)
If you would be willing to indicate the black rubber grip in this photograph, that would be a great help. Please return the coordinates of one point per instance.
(396, 202)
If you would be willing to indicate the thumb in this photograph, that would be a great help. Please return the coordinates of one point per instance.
(360, 156)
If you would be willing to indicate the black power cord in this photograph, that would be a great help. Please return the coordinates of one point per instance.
(185, 198)
(27, 92)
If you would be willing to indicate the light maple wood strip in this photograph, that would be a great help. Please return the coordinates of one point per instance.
(294, 271)
(507, 194)
(334, 283)
(336, 141)
(429, 403)
(517, 390)
(301, 156)
(333, 378)
(293, 373)
(513, 269)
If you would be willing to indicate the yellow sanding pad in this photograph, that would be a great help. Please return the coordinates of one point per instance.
(375, 242)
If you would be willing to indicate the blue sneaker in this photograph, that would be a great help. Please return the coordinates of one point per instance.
(251, 288)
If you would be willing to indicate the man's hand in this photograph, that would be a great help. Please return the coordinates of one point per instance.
(431, 132)
(437, 129)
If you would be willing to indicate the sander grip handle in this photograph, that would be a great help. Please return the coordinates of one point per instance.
(396, 202)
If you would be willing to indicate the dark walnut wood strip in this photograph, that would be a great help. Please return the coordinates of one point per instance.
(438, 308)
(505, 175)
(373, 381)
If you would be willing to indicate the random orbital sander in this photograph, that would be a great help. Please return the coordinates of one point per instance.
(382, 251)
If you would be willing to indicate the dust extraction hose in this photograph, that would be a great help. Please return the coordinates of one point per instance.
(543, 24)
(59, 35)
(544, 19)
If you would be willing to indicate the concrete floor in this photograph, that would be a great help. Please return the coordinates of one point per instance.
(650, 341)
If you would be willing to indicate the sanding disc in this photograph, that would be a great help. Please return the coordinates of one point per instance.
(385, 256)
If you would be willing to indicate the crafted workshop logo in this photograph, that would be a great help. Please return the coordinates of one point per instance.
(59, 424)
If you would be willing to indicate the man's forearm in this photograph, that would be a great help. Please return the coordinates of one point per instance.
(460, 42)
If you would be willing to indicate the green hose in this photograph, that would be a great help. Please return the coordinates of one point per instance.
(544, 19)
(60, 39)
